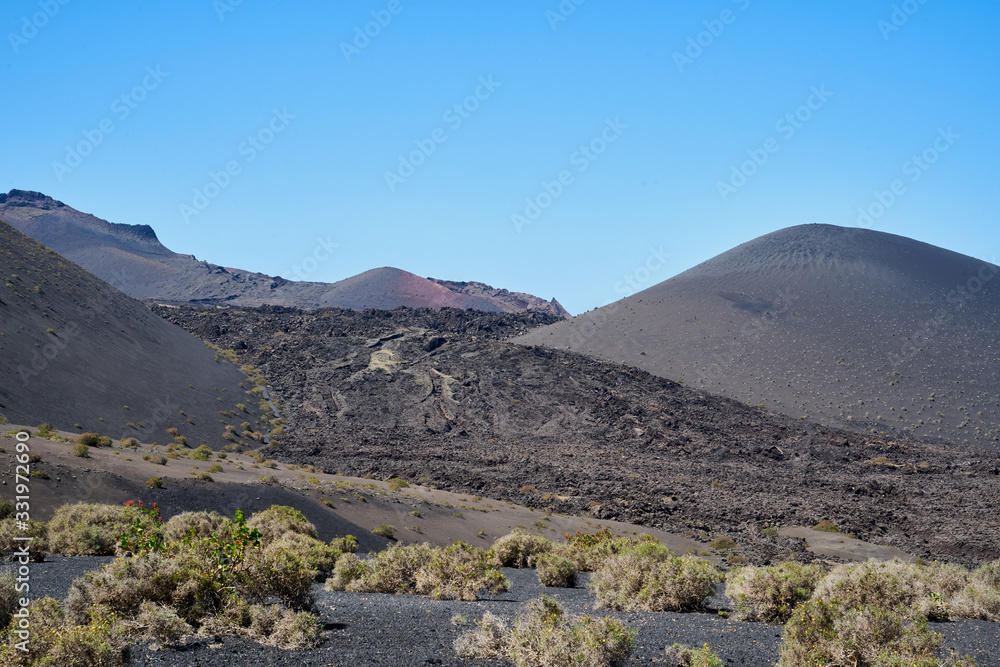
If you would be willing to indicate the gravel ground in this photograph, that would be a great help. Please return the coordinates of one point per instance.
(371, 629)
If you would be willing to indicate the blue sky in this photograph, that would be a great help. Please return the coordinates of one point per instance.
(677, 129)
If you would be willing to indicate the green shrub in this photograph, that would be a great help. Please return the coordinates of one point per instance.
(555, 570)
(129, 443)
(202, 453)
(215, 467)
(652, 578)
(277, 520)
(386, 531)
(6, 509)
(81, 450)
(519, 549)
(159, 623)
(93, 440)
(690, 657)
(873, 613)
(347, 544)
(769, 594)
(826, 526)
(457, 572)
(155, 482)
(84, 529)
(396, 484)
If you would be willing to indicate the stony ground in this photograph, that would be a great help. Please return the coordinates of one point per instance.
(372, 629)
(439, 396)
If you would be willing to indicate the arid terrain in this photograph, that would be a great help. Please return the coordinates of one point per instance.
(442, 397)
(849, 327)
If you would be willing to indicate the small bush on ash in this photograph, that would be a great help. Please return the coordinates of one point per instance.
(771, 593)
(457, 572)
(543, 635)
(650, 577)
(519, 549)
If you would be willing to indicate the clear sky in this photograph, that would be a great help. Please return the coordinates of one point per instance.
(648, 134)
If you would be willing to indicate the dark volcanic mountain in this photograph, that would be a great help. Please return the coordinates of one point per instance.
(131, 258)
(74, 350)
(842, 326)
(440, 396)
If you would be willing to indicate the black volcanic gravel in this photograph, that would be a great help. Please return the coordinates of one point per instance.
(372, 629)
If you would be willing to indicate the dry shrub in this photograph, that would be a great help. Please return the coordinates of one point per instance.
(894, 584)
(519, 549)
(769, 594)
(126, 583)
(823, 632)
(981, 596)
(489, 641)
(650, 577)
(8, 599)
(588, 551)
(198, 525)
(37, 548)
(98, 642)
(281, 571)
(873, 613)
(277, 520)
(86, 529)
(543, 636)
(268, 624)
(459, 571)
(556, 571)
(159, 623)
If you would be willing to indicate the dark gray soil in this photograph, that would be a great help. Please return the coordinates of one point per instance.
(76, 351)
(439, 397)
(845, 326)
(372, 629)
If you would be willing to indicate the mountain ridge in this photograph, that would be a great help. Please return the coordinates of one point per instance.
(132, 258)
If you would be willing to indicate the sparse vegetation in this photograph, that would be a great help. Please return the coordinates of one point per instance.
(396, 484)
(217, 578)
(826, 526)
(81, 450)
(691, 657)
